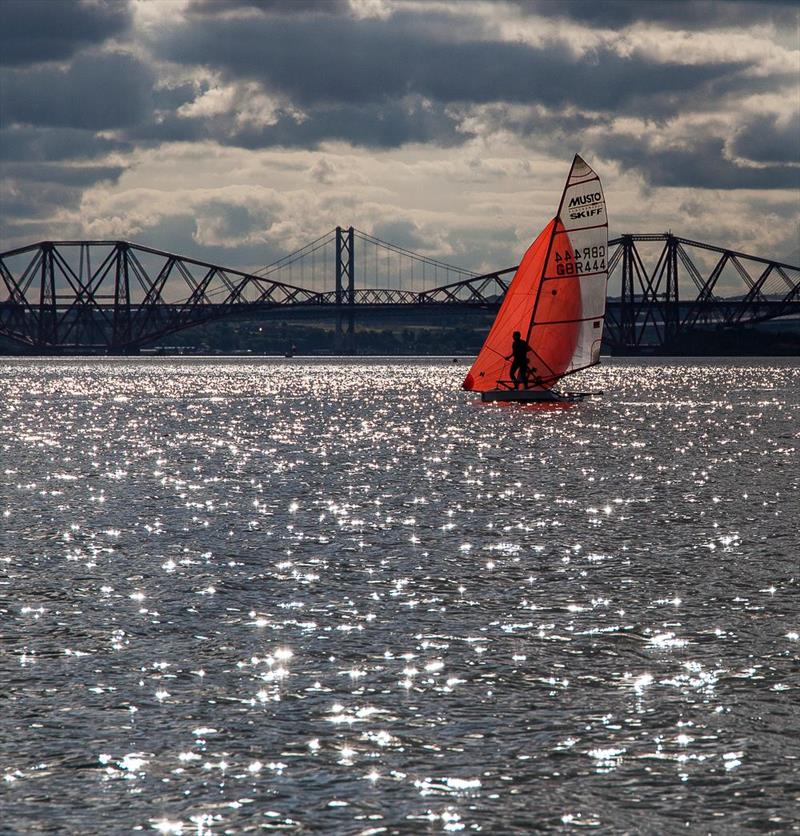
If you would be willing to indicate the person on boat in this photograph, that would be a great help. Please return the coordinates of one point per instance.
(519, 368)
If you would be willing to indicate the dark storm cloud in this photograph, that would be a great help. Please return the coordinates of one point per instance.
(701, 166)
(96, 91)
(42, 144)
(23, 231)
(53, 30)
(752, 85)
(78, 176)
(767, 141)
(354, 79)
(547, 129)
(35, 199)
(34, 192)
(171, 98)
(339, 60)
(691, 14)
(373, 126)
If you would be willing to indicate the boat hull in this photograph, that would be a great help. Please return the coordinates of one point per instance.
(532, 396)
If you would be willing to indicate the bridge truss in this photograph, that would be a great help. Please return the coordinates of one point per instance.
(728, 289)
(117, 297)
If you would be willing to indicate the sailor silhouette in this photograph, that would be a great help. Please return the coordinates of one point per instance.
(519, 368)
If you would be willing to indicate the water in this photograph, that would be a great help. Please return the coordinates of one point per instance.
(343, 597)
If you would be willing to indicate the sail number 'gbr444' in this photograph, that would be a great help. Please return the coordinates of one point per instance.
(550, 323)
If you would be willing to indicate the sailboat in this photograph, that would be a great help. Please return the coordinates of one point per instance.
(550, 323)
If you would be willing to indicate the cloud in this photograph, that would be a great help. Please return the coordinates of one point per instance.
(701, 165)
(263, 122)
(43, 144)
(769, 140)
(686, 14)
(97, 91)
(323, 172)
(226, 224)
(37, 200)
(36, 193)
(402, 233)
(240, 130)
(66, 175)
(53, 30)
(322, 61)
(281, 7)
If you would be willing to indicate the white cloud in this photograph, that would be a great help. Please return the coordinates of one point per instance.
(245, 102)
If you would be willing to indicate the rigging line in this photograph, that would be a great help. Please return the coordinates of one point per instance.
(298, 253)
(292, 257)
(544, 363)
(556, 378)
(581, 368)
(308, 248)
(497, 352)
(264, 273)
(412, 254)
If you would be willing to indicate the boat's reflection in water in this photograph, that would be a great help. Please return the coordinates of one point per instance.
(536, 406)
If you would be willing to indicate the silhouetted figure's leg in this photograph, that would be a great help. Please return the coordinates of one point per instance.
(515, 378)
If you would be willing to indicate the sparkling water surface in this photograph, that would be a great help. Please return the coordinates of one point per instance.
(342, 596)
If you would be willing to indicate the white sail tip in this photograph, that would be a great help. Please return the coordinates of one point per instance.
(580, 168)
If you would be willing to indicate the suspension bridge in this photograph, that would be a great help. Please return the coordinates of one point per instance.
(116, 297)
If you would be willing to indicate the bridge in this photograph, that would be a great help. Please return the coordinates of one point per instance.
(116, 297)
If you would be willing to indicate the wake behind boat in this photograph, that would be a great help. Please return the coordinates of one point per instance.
(550, 323)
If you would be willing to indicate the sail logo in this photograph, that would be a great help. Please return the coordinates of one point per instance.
(586, 206)
(585, 199)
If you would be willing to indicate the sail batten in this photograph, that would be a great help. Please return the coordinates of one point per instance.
(556, 300)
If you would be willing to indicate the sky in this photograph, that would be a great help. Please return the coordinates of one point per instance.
(236, 131)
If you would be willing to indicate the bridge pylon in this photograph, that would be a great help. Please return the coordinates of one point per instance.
(345, 297)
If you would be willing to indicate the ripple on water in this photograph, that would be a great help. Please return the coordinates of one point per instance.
(260, 595)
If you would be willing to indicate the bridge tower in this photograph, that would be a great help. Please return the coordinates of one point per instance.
(121, 322)
(627, 299)
(48, 317)
(672, 316)
(345, 298)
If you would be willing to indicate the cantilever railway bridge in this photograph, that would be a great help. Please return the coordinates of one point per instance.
(116, 297)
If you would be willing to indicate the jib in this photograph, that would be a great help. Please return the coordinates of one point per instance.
(582, 200)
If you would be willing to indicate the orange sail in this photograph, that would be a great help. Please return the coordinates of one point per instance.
(556, 300)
